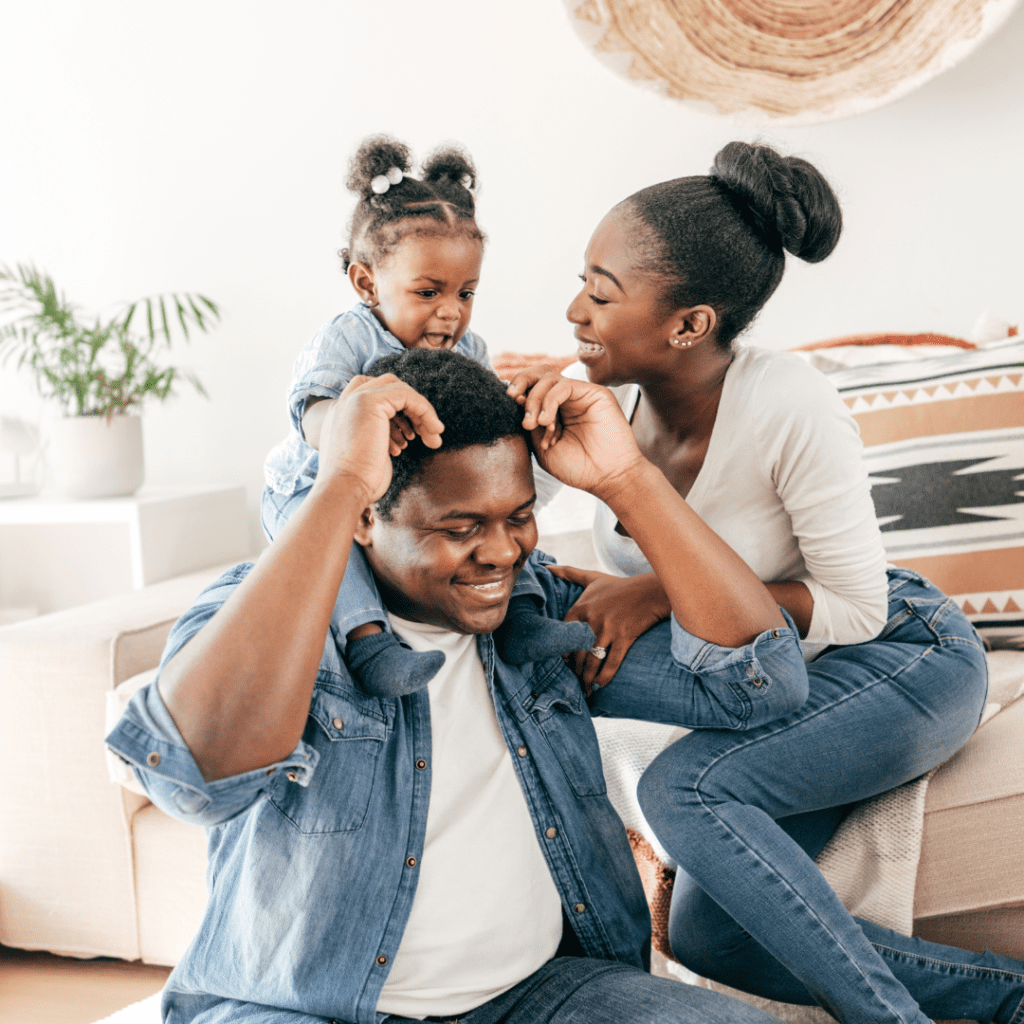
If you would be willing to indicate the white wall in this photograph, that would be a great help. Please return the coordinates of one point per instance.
(202, 146)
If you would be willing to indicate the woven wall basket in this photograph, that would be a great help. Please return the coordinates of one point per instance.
(784, 62)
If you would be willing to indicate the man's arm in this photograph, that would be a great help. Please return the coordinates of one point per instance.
(239, 692)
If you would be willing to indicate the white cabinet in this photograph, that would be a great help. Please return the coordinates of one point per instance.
(57, 553)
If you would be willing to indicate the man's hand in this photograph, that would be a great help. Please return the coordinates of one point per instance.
(373, 419)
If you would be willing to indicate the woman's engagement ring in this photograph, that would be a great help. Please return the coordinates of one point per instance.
(598, 652)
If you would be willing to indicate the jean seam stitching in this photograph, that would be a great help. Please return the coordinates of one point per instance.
(904, 954)
(881, 1001)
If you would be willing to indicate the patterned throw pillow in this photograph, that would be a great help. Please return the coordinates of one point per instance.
(944, 444)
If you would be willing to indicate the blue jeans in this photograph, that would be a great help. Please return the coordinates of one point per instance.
(566, 990)
(578, 990)
(358, 601)
(741, 812)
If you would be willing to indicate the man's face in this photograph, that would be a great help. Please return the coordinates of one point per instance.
(457, 538)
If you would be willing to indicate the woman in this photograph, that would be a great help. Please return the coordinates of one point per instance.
(767, 455)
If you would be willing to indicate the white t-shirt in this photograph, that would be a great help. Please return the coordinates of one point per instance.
(486, 913)
(785, 486)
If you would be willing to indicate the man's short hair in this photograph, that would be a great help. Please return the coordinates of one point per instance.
(469, 400)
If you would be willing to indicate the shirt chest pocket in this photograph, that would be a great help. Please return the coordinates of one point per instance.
(561, 714)
(348, 734)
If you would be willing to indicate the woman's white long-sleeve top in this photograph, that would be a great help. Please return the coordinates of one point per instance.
(785, 485)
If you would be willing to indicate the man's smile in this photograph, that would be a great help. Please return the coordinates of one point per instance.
(492, 589)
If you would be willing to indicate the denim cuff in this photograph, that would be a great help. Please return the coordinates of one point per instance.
(772, 660)
(147, 739)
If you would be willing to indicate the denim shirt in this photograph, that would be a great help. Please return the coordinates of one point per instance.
(343, 348)
(313, 859)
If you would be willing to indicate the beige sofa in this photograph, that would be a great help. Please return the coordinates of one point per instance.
(89, 868)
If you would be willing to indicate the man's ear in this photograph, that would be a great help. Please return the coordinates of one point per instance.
(690, 326)
(363, 534)
(361, 278)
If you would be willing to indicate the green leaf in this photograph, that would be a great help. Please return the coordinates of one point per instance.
(163, 319)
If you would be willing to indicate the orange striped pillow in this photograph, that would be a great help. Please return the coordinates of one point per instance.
(944, 444)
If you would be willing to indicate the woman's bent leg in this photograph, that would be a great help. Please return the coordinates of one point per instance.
(946, 982)
(878, 715)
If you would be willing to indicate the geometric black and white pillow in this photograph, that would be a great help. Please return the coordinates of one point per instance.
(944, 445)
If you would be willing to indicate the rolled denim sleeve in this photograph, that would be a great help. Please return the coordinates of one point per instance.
(673, 677)
(147, 739)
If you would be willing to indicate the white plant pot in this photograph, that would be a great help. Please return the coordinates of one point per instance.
(93, 457)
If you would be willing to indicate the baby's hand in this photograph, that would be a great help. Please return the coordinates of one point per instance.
(359, 434)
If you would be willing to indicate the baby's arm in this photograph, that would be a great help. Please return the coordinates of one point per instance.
(317, 407)
(313, 418)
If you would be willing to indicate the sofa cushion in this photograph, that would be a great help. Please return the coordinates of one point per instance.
(944, 444)
(970, 886)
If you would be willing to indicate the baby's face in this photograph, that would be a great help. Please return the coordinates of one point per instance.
(425, 289)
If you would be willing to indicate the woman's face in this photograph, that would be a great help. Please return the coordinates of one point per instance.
(622, 327)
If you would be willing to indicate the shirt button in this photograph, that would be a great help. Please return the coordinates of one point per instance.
(421, 764)
(521, 751)
(338, 723)
(382, 960)
(153, 759)
(293, 776)
(750, 670)
(270, 771)
(580, 907)
(758, 682)
(775, 634)
(551, 833)
(410, 862)
(534, 696)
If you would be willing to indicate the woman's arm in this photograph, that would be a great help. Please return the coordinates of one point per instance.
(810, 453)
(582, 438)
(796, 598)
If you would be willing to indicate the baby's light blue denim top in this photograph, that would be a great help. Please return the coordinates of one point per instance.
(313, 859)
(343, 348)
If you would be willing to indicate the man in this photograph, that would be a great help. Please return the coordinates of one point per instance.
(450, 854)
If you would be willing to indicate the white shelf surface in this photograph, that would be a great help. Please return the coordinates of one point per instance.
(55, 552)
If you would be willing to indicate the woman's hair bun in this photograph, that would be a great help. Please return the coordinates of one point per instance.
(786, 200)
(376, 156)
(452, 163)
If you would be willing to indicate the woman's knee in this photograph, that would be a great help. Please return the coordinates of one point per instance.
(663, 788)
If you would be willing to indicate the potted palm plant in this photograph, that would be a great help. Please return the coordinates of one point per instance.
(100, 371)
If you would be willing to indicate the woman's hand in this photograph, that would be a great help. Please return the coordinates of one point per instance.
(579, 433)
(618, 609)
(373, 419)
